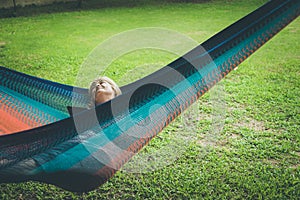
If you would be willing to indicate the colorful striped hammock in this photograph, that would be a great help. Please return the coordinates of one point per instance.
(39, 140)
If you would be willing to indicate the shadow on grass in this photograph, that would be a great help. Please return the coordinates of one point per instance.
(56, 7)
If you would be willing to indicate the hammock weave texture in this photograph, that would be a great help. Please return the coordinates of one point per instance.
(39, 140)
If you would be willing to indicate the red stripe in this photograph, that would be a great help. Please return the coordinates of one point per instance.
(12, 121)
(10, 124)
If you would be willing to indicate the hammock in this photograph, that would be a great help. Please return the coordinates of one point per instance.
(41, 142)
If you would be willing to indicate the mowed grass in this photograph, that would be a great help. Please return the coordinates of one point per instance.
(251, 152)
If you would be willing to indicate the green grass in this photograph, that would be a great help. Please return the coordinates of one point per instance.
(255, 156)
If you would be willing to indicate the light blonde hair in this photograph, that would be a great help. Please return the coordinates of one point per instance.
(93, 88)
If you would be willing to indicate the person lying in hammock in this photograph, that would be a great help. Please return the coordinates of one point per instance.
(101, 90)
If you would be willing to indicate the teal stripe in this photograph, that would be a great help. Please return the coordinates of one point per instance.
(43, 111)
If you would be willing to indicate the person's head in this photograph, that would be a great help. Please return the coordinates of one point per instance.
(103, 89)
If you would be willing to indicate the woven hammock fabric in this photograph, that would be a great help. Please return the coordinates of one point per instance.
(40, 142)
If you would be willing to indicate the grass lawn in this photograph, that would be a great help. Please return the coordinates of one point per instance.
(254, 155)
